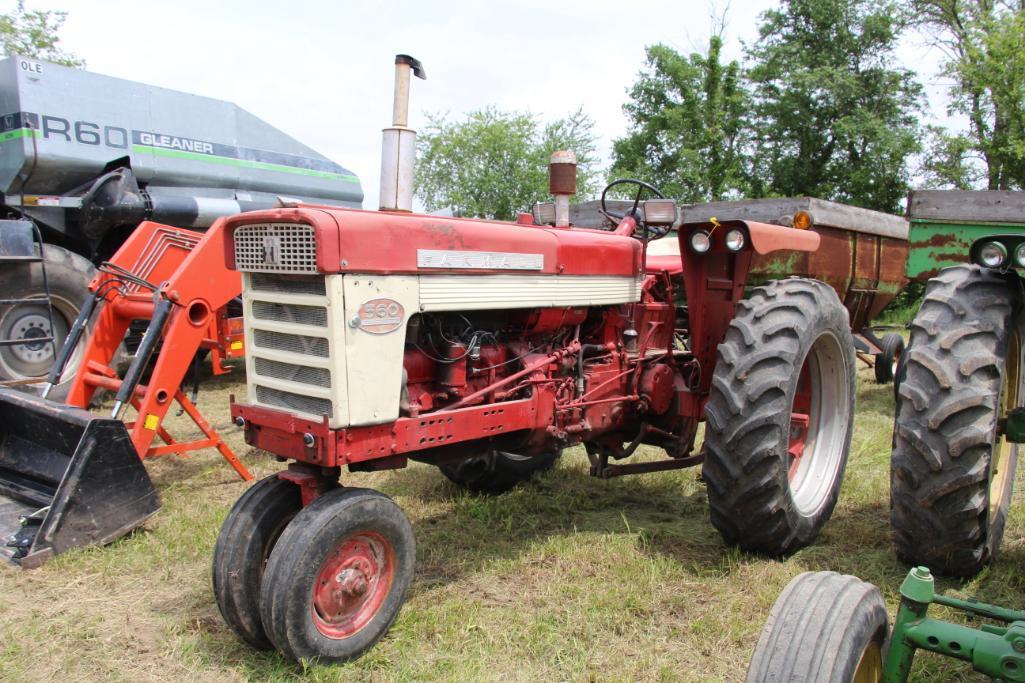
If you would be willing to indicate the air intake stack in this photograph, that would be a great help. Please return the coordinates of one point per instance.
(398, 150)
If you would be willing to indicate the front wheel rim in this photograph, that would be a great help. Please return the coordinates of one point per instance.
(819, 421)
(352, 584)
(870, 666)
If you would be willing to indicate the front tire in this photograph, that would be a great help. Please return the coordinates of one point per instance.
(497, 471)
(779, 417)
(952, 473)
(825, 627)
(338, 576)
(246, 540)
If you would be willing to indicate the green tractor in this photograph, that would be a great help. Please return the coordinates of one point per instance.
(956, 432)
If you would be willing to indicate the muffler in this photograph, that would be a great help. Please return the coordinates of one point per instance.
(68, 478)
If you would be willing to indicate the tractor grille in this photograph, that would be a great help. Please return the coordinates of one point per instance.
(293, 343)
(296, 284)
(320, 377)
(288, 331)
(293, 402)
(293, 313)
(276, 248)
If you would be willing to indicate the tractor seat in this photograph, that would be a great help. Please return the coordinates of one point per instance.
(672, 264)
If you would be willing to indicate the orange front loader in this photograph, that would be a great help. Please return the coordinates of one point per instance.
(69, 477)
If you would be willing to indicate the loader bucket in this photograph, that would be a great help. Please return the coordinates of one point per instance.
(68, 478)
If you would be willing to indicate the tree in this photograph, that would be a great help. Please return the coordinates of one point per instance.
(984, 43)
(33, 33)
(494, 164)
(834, 119)
(688, 126)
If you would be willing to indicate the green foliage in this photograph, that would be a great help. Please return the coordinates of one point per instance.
(835, 119)
(33, 33)
(688, 126)
(984, 41)
(493, 164)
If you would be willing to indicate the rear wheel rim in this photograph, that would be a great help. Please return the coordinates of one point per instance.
(870, 666)
(352, 584)
(819, 420)
(1004, 450)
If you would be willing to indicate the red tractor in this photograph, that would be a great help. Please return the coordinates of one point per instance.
(486, 348)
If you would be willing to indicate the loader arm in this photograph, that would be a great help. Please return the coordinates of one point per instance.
(186, 271)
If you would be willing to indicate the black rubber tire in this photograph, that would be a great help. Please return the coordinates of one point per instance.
(497, 471)
(68, 276)
(285, 595)
(945, 432)
(893, 348)
(819, 629)
(248, 535)
(747, 429)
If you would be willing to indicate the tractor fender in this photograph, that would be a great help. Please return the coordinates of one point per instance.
(766, 238)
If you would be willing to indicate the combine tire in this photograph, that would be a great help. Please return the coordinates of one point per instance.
(338, 576)
(779, 417)
(824, 627)
(68, 276)
(497, 471)
(247, 537)
(886, 362)
(952, 474)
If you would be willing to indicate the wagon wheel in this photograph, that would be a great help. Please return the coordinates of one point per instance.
(952, 472)
(779, 417)
(338, 576)
(824, 627)
(248, 535)
(886, 362)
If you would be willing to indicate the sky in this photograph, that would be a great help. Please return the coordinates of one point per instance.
(323, 72)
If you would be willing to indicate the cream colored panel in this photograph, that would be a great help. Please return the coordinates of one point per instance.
(479, 292)
(374, 361)
(337, 340)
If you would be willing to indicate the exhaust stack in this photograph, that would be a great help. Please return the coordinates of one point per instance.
(398, 149)
(562, 184)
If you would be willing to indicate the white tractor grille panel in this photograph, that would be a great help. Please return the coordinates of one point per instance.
(276, 248)
(288, 343)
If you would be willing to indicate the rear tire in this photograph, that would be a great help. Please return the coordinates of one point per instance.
(68, 276)
(338, 576)
(497, 471)
(952, 474)
(886, 362)
(247, 537)
(825, 627)
(779, 417)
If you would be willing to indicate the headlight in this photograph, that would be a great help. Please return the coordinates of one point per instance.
(735, 240)
(660, 211)
(544, 213)
(992, 254)
(700, 241)
(1019, 255)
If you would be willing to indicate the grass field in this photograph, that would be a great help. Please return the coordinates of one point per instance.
(567, 578)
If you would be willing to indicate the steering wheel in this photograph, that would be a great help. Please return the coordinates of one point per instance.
(647, 233)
